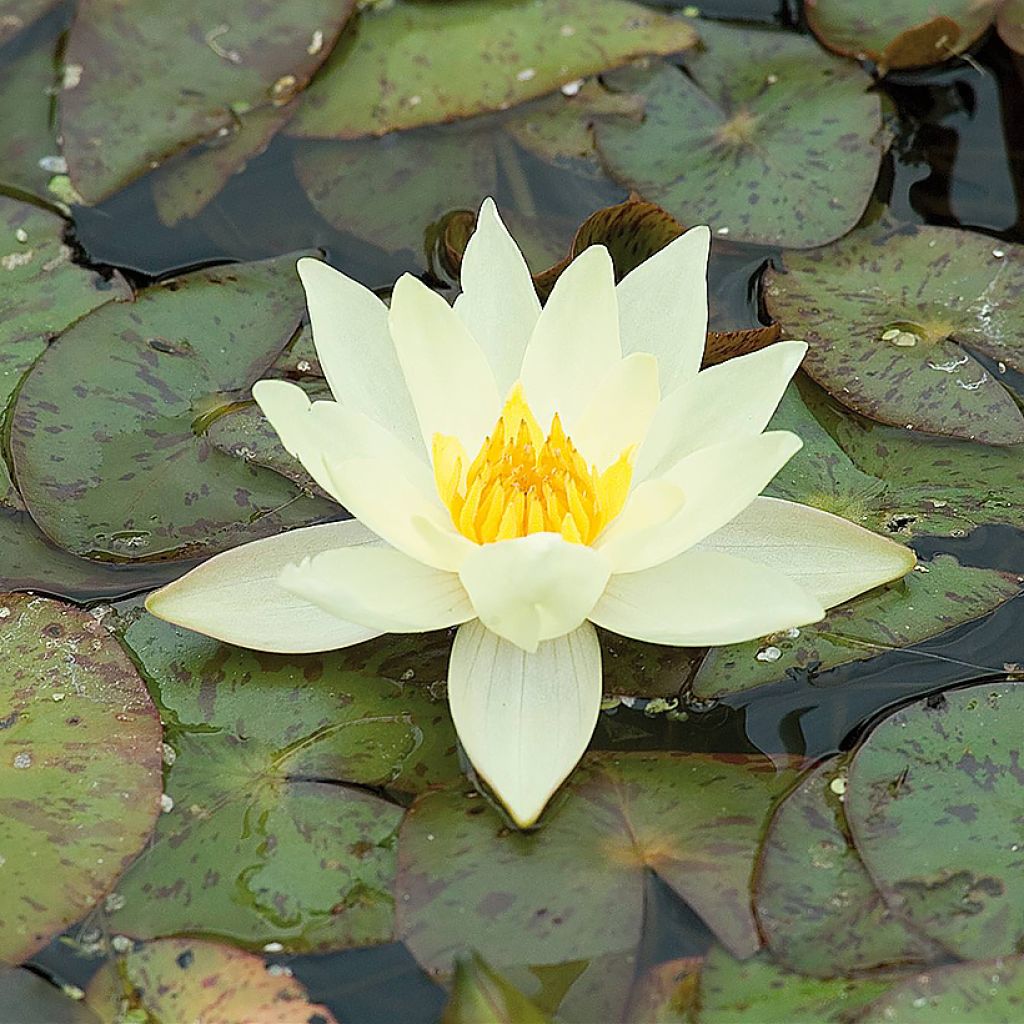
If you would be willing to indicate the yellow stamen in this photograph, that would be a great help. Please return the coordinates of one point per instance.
(521, 482)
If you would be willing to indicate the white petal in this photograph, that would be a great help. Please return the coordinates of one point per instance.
(575, 342)
(235, 596)
(350, 332)
(524, 719)
(663, 307)
(498, 303)
(446, 371)
(717, 483)
(533, 588)
(829, 557)
(722, 403)
(620, 411)
(704, 598)
(380, 588)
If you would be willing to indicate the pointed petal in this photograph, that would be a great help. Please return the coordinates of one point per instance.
(235, 596)
(575, 342)
(498, 303)
(829, 557)
(717, 483)
(663, 307)
(445, 370)
(350, 332)
(524, 719)
(732, 400)
(704, 598)
(380, 588)
(620, 411)
(533, 588)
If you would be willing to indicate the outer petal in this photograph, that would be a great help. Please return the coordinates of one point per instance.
(717, 482)
(235, 595)
(533, 588)
(524, 719)
(446, 371)
(704, 598)
(575, 342)
(723, 403)
(350, 331)
(498, 303)
(663, 307)
(380, 588)
(829, 557)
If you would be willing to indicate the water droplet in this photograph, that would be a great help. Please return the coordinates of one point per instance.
(57, 697)
(768, 654)
(23, 760)
(526, 74)
(304, 366)
(21, 235)
(113, 902)
(53, 164)
(273, 947)
(5, 613)
(122, 944)
(279, 970)
(998, 253)
(838, 785)
(170, 754)
(572, 88)
(166, 803)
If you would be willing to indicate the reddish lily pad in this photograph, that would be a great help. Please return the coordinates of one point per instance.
(935, 798)
(770, 140)
(480, 995)
(891, 315)
(1011, 24)
(395, 71)
(108, 431)
(152, 79)
(80, 781)
(192, 980)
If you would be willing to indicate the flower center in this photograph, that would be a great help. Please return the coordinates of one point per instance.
(522, 482)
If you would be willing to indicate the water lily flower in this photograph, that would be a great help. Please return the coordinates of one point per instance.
(527, 474)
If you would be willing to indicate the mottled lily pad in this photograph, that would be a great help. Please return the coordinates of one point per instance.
(480, 995)
(396, 70)
(80, 778)
(935, 799)
(574, 889)
(108, 432)
(667, 993)
(908, 34)
(771, 139)
(817, 906)
(891, 315)
(145, 82)
(1011, 24)
(275, 835)
(192, 980)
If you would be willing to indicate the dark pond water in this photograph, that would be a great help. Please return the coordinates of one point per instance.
(958, 159)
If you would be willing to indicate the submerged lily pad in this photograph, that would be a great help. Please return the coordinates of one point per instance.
(108, 432)
(80, 778)
(891, 315)
(396, 69)
(480, 995)
(935, 798)
(771, 140)
(192, 980)
(37, 1001)
(151, 79)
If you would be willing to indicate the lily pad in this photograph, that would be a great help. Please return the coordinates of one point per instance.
(574, 889)
(817, 906)
(36, 1001)
(192, 980)
(891, 315)
(395, 71)
(275, 835)
(480, 995)
(770, 140)
(935, 799)
(666, 994)
(910, 34)
(80, 783)
(1011, 24)
(152, 79)
(108, 431)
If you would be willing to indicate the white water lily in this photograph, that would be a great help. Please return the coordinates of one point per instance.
(526, 474)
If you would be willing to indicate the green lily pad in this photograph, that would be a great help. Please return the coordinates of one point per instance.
(987, 992)
(667, 993)
(910, 34)
(395, 71)
(771, 140)
(574, 889)
(935, 799)
(1011, 24)
(152, 79)
(886, 313)
(18, 15)
(108, 431)
(36, 1001)
(192, 980)
(274, 835)
(80, 783)
(47, 292)
(818, 909)
(480, 995)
